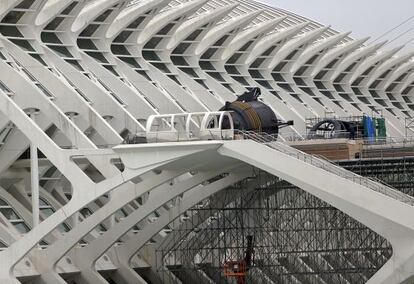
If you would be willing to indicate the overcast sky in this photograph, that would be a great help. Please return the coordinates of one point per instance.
(362, 17)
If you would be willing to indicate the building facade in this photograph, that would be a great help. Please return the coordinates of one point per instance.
(78, 78)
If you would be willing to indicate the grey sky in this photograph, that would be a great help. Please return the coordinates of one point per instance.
(362, 17)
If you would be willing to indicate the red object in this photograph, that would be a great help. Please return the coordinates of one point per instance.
(236, 269)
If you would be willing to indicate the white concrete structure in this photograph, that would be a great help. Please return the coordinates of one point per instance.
(79, 77)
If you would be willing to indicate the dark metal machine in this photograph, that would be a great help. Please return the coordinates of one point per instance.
(335, 128)
(251, 114)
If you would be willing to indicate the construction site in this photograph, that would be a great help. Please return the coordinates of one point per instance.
(275, 232)
(201, 142)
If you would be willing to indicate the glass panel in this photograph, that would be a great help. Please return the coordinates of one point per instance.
(21, 227)
(24, 44)
(63, 228)
(86, 212)
(10, 31)
(9, 213)
(26, 4)
(47, 211)
(69, 8)
(103, 16)
(43, 202)
(123, 36)
(63, 51)
(136, 23)
(85, 43)
(55, 23)
(120, 214)
(13, 17)
(98, 56)
(90, 30)
(48, 37)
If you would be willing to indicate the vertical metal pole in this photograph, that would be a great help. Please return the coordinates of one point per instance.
(34, 173)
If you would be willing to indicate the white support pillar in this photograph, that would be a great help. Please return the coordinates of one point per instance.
(108, 118)
(34, 175)
(71, 115)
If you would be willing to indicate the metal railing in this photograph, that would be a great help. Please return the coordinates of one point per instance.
(343, 134)
(295, 136)
(260, 137)
(322, 163)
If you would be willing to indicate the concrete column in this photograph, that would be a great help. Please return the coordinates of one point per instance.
(34, 175)
(75, 218)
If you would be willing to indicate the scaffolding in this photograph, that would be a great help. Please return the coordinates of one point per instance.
(351, 127)
(409, 126)
(297, 237)
(357, 120)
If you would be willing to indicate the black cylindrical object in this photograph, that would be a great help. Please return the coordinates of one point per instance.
(250, 114)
